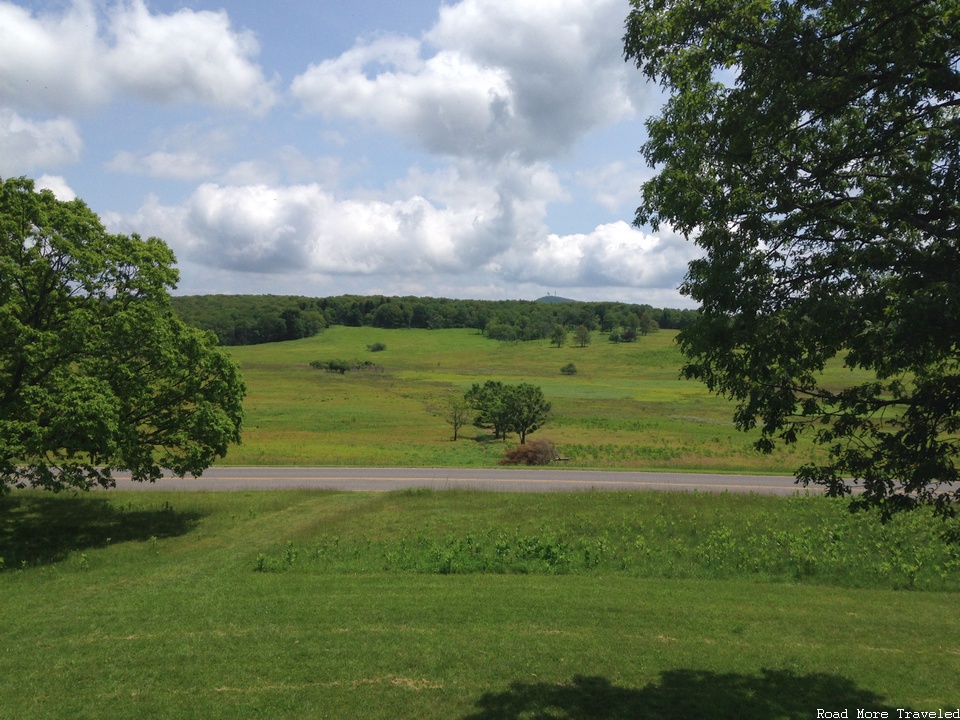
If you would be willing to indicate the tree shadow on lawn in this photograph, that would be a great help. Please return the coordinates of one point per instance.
(45, 529)
(683, 694)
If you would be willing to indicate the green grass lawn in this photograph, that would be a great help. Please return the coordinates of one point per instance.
(471, 605)
(625, 408)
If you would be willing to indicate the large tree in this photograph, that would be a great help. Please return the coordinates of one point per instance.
(96, 372)
(812, 149)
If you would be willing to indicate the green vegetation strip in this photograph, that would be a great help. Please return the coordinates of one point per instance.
(471, 605)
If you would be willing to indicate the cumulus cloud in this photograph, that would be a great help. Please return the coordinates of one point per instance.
(492, 79)
(186, 56)
(306, 228)
(77, 59)
(27, 144)
(613, 255)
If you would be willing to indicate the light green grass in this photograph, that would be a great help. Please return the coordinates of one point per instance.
(626, 407)
(133, 605)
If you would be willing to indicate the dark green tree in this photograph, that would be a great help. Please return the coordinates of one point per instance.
(558, 336)
(811, 148)
(97, 374)
(527, 409)
(582, 335)
(489, 401)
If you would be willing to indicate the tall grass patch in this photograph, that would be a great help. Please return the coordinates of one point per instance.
(806, 539)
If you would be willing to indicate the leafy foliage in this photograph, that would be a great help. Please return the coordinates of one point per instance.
(508, 408)
(582, 335)
(812, 149)
(96, 372)
(558, 336)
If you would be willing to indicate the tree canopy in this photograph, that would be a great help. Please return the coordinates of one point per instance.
(812, 149)
(503, 408)
(97, 374)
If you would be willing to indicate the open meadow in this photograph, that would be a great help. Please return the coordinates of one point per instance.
(475, 605)
(626, 407)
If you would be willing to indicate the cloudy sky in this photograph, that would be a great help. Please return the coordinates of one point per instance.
(471, 149)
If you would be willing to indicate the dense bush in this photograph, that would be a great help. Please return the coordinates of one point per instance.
(569, 369)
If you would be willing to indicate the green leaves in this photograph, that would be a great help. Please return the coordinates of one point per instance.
(508, 408)
(96, 372)
(812, 149)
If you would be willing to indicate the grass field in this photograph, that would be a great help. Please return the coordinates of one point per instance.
(625, 408)
(475, 605)
(470, 605)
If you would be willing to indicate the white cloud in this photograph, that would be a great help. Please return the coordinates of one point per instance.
(306, 228)
(170, 165)
(27, 144)
(186, 57)
(67, 61)
(57, 185)
(446, 103)
(278, 229)
(506, 79)
(612, 255)
(51, 62)
(615, 186)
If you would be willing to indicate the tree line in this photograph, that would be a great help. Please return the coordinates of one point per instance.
(255, 319)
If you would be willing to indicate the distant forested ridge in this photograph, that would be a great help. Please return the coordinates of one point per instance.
(254, 319)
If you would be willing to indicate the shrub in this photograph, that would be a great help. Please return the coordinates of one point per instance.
(338, 366)
(569, 369)
(535, 452)
(377, 347)
(345, 366)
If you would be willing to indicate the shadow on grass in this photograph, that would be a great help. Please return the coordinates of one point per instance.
(40, 530)
(682, 694)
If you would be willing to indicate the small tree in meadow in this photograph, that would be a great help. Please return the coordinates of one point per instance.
(582, 335)
(559, 336)
(456, 412)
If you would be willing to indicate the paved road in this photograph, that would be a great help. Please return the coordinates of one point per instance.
(544, 480)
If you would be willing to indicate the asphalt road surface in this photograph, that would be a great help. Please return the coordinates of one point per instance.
(541, 480)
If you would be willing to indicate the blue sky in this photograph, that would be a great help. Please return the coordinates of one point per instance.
(478, 149)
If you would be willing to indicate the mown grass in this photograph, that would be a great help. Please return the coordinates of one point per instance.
(625, 408)
(458, 605)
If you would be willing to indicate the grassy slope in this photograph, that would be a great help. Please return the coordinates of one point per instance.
(626, 407)
(136, 605)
